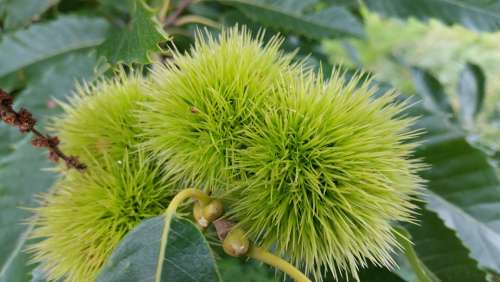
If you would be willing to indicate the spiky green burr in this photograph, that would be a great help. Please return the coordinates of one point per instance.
(200, 102)
(325, 172)
(87, 214)
(99, 119)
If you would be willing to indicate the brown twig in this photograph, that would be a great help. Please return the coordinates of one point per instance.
(170, 21)
(25, 122)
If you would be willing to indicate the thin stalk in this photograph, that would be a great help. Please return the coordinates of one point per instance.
(277, 262)
(169, 214)
(162, 14)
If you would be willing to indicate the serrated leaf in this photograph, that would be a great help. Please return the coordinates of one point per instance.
(463, 188)
(291, 16)
(187, 258)
(471, 91)
(135, 42)
(18, 13)
(45, 41)
(441, 251)
(479, 15)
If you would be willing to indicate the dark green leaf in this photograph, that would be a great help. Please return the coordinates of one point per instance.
(292, 16)
(22, 176)
(246, 270)
(376, 274)
(46, 41)
(135, 42)
(442, 252)
(471, 90)
(418, 269)
(52, 76)
(480, 15)
(431, 91)
(187, 258)
(463, 188)
(17, 13)
(55, 79)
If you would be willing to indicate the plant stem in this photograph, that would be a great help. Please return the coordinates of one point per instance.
(169, 214)
(171, 20)
(277, 262)
(163, 10)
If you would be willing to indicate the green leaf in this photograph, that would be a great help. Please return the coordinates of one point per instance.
(42, 42)
(135, 42)
(471, 91)
(22, 176)
(292, 16)
(246, 270)
(418, 268)
(49, 76)
(187, 258)
(431, 91)
(376, 274)
(463, 188)
(441, 252)
(18, 13)
(55, 79)
(479, 15)
(38, 275)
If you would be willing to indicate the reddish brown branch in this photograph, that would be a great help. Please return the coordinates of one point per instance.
(172, 19)
(25, 122)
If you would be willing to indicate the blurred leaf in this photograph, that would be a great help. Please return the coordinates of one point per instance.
(431, 91)
(135, 42)
(376, 274)
(246, 270)
(18, 13)
(369, 273)
(292, 16)
(21, 177)
(471, 91)
(38, 275)
(441, 251)
(45, 41)
(479, 15)
(55, 79)
(187, 258)
(463, 188)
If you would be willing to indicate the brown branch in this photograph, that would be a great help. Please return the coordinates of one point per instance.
(25, 122)
(172, 19)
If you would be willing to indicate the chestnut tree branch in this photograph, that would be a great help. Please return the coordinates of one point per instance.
(172, 19)
(24, 121)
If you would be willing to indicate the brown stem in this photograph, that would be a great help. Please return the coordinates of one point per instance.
(170, 21)
(25, 122)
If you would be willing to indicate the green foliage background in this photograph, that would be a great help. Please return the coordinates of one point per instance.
(422, 47)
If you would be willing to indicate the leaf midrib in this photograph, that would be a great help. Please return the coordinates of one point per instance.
(473, 8)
